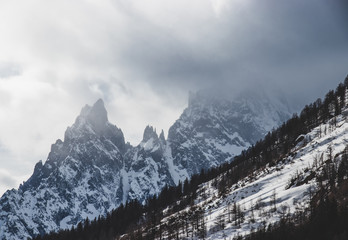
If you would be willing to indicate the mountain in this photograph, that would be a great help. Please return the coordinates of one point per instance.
(79, 179)
(283, 193)
(293, 184)
(215, 129)
(146, 169)
(93, 170)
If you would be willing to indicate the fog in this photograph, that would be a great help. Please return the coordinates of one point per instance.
(143, 57)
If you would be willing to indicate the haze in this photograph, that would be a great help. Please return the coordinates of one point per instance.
(143, 57)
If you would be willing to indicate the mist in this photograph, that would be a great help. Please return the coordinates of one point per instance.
(143, 58)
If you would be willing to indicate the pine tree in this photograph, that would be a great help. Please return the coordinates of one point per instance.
(274, 201)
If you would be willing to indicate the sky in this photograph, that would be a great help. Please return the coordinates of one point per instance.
(143, 57)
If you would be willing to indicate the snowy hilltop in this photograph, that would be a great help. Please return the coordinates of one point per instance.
(93, 170)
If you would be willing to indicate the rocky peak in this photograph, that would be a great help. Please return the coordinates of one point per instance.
(96, 115)
(161, 137)
(96, 169)
(205, 103)
(149, 133)
(92, 120)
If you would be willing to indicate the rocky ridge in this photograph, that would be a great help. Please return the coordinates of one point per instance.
(93, 170)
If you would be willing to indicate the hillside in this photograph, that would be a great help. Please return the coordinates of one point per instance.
(93, 170)
(285, 178)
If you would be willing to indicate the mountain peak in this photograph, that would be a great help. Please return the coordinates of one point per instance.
(98, 112)
(96, 115)
(149, 133)
(91, 120)
(99, 104)
(204, 98)
(161, 136)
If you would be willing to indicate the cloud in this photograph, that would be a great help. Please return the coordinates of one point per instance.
(8, 69)
(6, 180)
(175, 45)
(9, 177)
(142, 58)
(262, 42)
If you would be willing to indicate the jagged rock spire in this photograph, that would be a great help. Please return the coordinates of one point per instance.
(96, 115)
(93, 122)
(149, 133)
(161, 137)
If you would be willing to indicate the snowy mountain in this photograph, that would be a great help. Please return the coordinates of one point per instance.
(275, 192)
(146, 170)
(215, 129)
(79, 179)
(93, 170)
(280, 191)
(291, 185)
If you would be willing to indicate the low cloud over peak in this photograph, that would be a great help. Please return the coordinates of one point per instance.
(142, 58)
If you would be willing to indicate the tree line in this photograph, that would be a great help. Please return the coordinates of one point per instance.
(327, 215)
(144, 221)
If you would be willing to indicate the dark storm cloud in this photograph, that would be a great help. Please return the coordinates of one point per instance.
(143, 57)
(299, 45)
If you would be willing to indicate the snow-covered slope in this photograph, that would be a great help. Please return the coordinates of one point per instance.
(146, 171)
(93, 171)
(273, 192)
